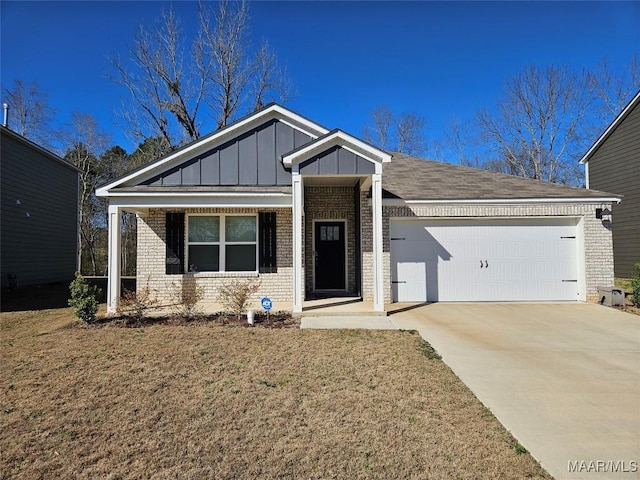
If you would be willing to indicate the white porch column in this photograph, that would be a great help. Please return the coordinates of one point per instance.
(298, 277)
(378, 274)
(113, 281)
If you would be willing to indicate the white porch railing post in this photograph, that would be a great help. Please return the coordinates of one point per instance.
(114, 265)
(378, 279)
(297, 243)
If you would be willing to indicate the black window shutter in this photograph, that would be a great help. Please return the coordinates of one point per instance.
(175, 243)
(267, 239)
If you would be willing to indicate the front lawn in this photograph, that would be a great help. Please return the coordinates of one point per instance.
(208, 401)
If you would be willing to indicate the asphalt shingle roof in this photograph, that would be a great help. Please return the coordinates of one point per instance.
(412, 178)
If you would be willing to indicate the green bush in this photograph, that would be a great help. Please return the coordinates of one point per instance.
(83, 299)
(635, 286)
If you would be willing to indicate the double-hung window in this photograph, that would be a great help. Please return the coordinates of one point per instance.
(222, 243)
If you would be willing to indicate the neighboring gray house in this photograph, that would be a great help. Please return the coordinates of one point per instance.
(313, 212)
(613, 164)
(39, 213)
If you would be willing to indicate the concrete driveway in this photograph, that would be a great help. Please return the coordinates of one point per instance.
(564, 379)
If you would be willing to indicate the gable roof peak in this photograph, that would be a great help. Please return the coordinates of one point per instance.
(271, 111)
(611, 128)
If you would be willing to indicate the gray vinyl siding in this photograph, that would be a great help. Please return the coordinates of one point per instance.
(38, 235)
(615, 167)
(337, 161)
(253, 158)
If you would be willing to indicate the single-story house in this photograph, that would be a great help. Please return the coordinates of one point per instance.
(316, 212)
(613, 164)
(38, 215)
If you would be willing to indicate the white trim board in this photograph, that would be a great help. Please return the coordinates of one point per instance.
(203, 202)
(336, 138)
(502, 201)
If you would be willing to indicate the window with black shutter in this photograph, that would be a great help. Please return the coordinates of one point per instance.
(175, 243)
(267, 229)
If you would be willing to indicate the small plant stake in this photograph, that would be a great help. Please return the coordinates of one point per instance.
(267, 305)
(250, 317)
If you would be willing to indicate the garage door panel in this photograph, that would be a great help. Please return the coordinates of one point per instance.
(489, 260)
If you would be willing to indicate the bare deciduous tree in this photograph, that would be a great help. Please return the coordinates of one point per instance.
(535, 128)
(225, 41)
(458, 143)
(402, 133)
(30, 114)
(171, 85)
(613, 90)
(410, 133)
(164, 86)
(86, 142)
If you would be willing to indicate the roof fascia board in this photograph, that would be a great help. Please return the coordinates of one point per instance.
(235, 129)
(501, 201)
(617, 121)
(198, 194)
(339, 138)
(202, 201)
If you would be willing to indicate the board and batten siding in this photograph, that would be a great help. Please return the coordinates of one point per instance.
(39, 198)
(250, 159)
(615, 167)
(337, 161)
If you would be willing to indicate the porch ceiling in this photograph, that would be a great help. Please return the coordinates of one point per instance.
(338, 181)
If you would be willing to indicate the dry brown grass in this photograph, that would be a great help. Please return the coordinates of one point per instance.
(207, 401)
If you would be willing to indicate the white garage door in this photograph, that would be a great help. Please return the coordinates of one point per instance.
(484, 260)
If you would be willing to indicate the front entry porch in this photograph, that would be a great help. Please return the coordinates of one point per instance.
(340, 306)
(337, 219)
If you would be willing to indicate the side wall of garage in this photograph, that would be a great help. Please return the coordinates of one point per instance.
(596, 235)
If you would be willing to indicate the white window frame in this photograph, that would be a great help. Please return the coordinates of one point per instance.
(222, 243)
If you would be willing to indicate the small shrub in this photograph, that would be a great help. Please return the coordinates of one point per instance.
(83, 299)
(235, 296)
(187, 295)
(635, 286)
(136, 304)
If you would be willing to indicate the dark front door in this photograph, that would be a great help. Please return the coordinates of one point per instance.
(330, 256)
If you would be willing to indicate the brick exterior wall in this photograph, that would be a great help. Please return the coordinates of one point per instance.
(326, 203)
(598, 246)
(366, 229)
(329, 203)
(152, 249)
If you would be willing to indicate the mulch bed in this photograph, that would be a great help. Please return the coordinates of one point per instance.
(275, 320)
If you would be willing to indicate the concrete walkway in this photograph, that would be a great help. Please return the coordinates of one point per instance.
(564, 379)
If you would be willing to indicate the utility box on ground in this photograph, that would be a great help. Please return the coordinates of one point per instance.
(611, 296)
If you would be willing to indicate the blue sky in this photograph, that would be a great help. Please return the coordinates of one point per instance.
(440, 59)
